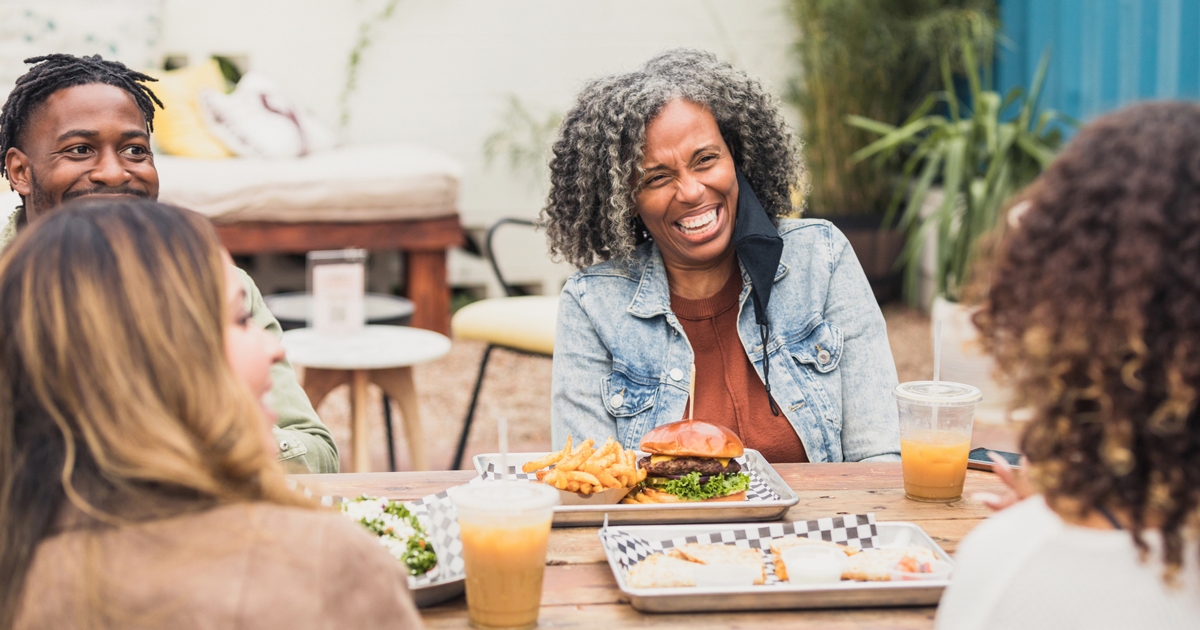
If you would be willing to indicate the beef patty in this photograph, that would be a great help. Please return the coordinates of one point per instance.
(706, 466)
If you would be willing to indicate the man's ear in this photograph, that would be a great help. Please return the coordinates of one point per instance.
(19, 176)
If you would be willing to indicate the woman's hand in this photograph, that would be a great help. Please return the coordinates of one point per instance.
(1018, 488)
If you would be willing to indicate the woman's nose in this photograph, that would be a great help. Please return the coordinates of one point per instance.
(274, 347)
(690, 188)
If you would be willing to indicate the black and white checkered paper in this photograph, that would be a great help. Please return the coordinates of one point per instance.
(440, 519)
(855, 530)
(758, 490)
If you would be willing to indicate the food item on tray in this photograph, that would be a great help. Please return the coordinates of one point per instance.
(725, 554)
(675, 567)
(875, 565)
(398, 530)
(691, 460)
(661, 571)
(588, 470)
(863, 565)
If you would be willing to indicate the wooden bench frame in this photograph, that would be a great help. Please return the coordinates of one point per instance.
(423, 242)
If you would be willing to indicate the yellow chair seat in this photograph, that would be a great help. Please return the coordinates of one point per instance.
(522, 323)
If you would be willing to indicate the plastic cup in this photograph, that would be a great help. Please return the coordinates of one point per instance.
(505, 528)
(935, 437)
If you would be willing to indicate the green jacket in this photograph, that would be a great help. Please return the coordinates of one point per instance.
(305, 443)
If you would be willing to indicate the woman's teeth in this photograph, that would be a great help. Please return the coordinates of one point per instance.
(697, 224)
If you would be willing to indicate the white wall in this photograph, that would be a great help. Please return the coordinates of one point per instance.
(440, 71)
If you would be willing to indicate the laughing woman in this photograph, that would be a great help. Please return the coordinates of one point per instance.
(669, 188)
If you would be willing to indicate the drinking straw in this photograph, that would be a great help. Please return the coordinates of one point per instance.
(937, 352)
(937, 366)
(692, 393)
(502, 428)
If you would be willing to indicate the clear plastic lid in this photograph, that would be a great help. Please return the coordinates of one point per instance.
(941, 394)
(504, 497)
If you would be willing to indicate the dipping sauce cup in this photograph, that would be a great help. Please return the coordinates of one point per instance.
(505, 528)
(935, 437)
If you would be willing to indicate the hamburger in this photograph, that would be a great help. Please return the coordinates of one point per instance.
(692, 460)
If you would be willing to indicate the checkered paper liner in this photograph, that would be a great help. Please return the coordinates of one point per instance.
(758, 490)
(440, 519)
(855, 530)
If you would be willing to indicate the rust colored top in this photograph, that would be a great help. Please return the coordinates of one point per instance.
(729, 391)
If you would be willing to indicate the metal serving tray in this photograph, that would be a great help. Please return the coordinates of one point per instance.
(845, 594)
(698, 512)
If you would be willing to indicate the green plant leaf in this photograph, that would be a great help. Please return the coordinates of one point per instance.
(894, 139)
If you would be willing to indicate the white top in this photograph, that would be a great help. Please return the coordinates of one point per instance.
(1026, 568)
(372, 348)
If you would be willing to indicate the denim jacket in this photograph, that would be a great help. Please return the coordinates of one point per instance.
(621, 358)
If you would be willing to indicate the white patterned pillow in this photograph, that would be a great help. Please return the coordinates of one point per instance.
(258, 120)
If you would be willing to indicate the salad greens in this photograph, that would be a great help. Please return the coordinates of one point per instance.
(689, 487)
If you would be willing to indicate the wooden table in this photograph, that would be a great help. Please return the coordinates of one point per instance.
(423, 242)
(579, 590)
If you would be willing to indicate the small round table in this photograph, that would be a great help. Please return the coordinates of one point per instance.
(383, 355)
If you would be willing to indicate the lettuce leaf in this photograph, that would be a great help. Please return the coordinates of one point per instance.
(689, 487)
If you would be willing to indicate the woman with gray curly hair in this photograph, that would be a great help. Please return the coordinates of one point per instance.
(670, 188)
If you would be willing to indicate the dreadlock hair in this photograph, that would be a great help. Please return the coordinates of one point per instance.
(51, 73)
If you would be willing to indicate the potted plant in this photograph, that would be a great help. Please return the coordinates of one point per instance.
(981, 159)
(876, 59)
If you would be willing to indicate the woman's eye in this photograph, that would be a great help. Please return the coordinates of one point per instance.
(704, 159)
(656, 180)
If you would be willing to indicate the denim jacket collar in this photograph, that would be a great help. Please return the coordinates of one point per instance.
(653, 295)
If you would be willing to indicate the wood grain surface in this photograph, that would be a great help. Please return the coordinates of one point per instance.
(579, 590)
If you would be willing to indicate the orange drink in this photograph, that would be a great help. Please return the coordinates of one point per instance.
(505, 527)
(935, 437)
(934, 464)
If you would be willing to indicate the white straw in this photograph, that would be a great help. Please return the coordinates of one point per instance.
(692, 393)
(937, 368)
(502, 428)
(937, 353)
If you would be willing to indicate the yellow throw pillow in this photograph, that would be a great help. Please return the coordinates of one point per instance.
(178, 127)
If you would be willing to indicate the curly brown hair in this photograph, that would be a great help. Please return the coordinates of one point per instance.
(1093, 312)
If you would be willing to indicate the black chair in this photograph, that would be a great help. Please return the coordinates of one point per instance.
(518, 323)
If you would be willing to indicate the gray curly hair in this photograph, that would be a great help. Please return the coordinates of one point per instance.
(596, 167)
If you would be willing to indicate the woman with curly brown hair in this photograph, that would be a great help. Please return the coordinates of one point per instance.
(671, 192)
(1093, 311)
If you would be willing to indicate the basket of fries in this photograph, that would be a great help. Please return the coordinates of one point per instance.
(585, 475)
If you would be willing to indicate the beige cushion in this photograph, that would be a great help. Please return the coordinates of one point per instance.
(524, 323)
(351, 184)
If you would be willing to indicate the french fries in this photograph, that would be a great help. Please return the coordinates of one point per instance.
(588, 470)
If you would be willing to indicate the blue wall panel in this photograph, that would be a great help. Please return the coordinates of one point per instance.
(1104, 53)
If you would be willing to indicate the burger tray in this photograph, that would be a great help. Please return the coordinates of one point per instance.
(782, 595)
(641, 514)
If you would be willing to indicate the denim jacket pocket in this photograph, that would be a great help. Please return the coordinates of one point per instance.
(821, 348)
(626, 396)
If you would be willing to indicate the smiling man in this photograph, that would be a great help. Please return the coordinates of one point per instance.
(80, 126)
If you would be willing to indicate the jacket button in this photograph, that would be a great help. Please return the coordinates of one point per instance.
(283, 446)
(823, 357)
(677, 374)
(617, 400)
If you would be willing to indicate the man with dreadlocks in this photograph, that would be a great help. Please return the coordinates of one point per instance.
(76, 126)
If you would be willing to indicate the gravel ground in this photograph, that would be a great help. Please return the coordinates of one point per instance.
(518, 387)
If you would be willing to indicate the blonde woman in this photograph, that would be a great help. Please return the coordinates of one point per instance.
(138, 482)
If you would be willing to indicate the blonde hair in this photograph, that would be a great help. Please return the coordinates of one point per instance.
(116, 398)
